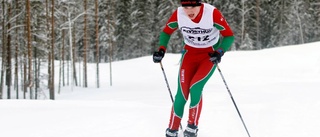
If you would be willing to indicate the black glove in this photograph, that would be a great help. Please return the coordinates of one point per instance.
(158, 55)
(215, 56)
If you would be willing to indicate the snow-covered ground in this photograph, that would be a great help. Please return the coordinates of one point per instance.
(277, 91)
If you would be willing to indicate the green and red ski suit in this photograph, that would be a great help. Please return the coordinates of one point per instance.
(209, 31)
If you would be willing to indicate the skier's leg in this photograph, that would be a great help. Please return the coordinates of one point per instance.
(199, 80)
(187, 70)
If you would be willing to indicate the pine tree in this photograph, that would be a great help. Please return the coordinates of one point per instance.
(123, 29)
(140, 34)
(312, 20)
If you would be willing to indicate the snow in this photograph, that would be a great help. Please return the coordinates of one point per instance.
(277, 91)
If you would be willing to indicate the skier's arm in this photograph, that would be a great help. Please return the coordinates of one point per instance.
(225, 31)
(171, 26)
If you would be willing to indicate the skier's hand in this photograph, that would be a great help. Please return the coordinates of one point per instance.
(158, 55)
(215, 56)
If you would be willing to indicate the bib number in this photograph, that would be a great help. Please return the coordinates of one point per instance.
(203, 38)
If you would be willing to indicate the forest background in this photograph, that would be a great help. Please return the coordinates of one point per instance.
(37, 34)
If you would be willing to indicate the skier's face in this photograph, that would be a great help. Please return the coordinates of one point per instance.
(192, 11)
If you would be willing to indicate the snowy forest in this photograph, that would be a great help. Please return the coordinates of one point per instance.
(38, 34)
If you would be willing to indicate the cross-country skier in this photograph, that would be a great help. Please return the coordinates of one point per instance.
(207, 36)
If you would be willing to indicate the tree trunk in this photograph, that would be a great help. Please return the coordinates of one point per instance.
(25, 88)
(97, 41)
(52, 96)
(30, 79)
(85, 46)
(74, 58)
(36, 78)
(16, 65)
(8, 62)
(3, 49)
(110, 44)
(60, 72)
(24, 73)
(48, 47)
(63, 54)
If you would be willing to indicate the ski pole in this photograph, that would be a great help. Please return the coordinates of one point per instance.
(165, 78)
(234, 103)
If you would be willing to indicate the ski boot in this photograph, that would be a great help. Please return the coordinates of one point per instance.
(171, 133)
(191, 131)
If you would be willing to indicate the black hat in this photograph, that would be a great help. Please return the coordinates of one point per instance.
(190, 3)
